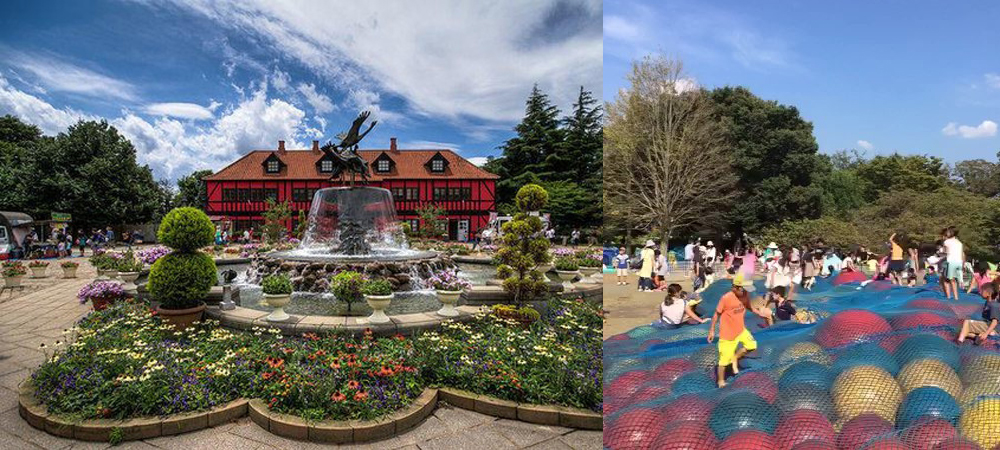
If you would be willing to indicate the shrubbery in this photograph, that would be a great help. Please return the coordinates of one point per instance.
(182, 280)
(277, 285)
(186, 230)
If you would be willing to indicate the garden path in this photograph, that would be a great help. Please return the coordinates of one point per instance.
(47, 306)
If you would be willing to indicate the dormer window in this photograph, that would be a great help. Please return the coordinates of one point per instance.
(437, 164)
(273, 165)
(326, 166)
(383, 166)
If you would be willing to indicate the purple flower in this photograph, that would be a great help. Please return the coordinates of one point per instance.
(150, 255)
(447, 280)
(100, 289)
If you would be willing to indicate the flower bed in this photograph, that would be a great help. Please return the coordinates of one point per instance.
(123, 363)
(556, 360)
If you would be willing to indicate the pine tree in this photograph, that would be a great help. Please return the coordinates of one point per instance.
(578, 157)
(524, 156)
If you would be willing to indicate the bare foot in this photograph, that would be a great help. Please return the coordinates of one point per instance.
(736, 369)
(722, 384)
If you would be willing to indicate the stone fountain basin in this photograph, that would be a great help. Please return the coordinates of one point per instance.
(311, 273)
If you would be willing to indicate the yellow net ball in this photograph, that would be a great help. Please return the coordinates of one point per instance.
(973, 392)
(929, 372)
(801, 351)
(982, 368)
(980, 422)
(866, 389)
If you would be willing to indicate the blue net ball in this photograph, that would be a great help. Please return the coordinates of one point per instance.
(806, 372)
(928, 346)
(692, 383)
(867, 353)
(926, 403)
(742, 410)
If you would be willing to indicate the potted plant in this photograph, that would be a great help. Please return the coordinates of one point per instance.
(567, 269)
(13, 272)
(590, 264)
(101, 293)
(448, 286)
(277, 294)
(69, 268)
(378, 294)
(128, 269)
(346, 286)
(180, 281)
(38, 268)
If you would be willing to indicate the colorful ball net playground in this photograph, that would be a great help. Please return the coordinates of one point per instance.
(879, 369)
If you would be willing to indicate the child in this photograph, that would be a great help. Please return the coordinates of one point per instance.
(698, 283)
(709, 278)
(952, 278)
(676, 310)
(732, 331)
(783, 308)
(980, 277)
(621, 263)
(980, 329)
(911, 277)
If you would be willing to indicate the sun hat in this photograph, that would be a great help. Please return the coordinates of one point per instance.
(772, 245)
(650, 243)
(740, 281)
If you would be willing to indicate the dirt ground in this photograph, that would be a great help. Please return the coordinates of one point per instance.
(628, 308)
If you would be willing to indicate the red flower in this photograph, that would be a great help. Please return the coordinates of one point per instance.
(312, 356)
(338, 397)
(274, 363)
(268, 375)
(360, 396)
(335, 365)
(272, 402)
(288, 351)
(399, 337)
(353, 384)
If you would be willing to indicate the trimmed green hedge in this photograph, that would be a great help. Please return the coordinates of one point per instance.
(186, 230)
(182, 280)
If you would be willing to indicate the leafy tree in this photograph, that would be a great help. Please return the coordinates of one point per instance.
(843, 192)
(896, 172)
(523, 248)
(665, 156)
(191, 190)
(569, 204)
(432, 223)
(275, 217)
(835, 232)
(979, 176)
(774, 154)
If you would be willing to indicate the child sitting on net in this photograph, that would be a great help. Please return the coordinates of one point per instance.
(677, 309)
(776, 306)
(981, 329)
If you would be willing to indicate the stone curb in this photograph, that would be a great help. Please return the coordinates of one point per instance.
(99, 430)
(405, 324)
(563, 416)
(344, 431)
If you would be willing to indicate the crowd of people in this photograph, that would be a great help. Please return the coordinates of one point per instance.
(63, 241)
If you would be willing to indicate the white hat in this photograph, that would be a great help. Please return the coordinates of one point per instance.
(772, 245)
(650, 243)
(710, 243)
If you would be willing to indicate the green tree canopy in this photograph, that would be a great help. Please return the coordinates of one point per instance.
(897, 172)
(979, 176)
(191, 190)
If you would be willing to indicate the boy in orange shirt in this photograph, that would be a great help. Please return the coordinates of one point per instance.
(732, 332)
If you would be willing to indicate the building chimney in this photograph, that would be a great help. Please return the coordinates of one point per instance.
(316, 147)
(392, 144)
(281, 147)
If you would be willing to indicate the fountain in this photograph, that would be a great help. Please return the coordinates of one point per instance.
(351, 228)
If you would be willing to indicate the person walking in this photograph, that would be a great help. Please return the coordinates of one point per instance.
(646, 270)
(955, 250)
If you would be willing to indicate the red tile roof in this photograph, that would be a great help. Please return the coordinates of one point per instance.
(301, 165)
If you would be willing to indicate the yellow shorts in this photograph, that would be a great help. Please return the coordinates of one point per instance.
(727, 349)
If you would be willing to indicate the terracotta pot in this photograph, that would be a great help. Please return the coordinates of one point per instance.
(12, 281)
(102, 303)
(448, 299)
(69, 272)
(181, 318)
(378, 303)
(38, 272)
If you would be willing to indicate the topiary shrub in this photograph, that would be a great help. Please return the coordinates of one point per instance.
(186, 230)
(347, 286)
(523, 248)
(377, 287)
(277, 285)
(181, 280)
(531, 197)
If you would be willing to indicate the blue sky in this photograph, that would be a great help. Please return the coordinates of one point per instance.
(908, 76)
(196, 83)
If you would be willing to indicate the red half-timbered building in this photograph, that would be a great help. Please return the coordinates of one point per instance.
(237, 194)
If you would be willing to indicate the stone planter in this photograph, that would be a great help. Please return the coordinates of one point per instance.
(378, 303)
(107, 274)
(129, 279)
(38, 271)
(544, 269)
(567, 276)
(12, 282)
(587, 274)
(181, 318)
(448, 301)
(69, 272)
(278, 302)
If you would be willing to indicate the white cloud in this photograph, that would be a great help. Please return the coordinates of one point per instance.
(321, 103)
(619, 28)
(865, 145)
(32, 109)
(987, 128)
(428, 145)
(992, 80)
(684, 85)
(281, 80)
(478, 161)
(446, 58)
(182, 110)
(62, 76)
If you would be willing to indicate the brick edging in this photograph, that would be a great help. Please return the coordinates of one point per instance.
(563, 416)
(344, 431)
(99, 430)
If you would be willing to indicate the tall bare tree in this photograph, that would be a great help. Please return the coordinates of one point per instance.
(665, 163)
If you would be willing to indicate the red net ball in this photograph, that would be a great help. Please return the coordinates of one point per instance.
(686, 435)
(928, 303)
(749, 440)
(862, 429)
(688, 407)
(923, 319)
(849, 277)
(848, 326)
(633, 430)
(626, 384)
(928, 434)
(803, 425)
(759, 383)
(669, 370)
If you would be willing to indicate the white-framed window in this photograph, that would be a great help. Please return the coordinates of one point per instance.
(326, 166)
(383, 165)
(273, 166)
(437, 165)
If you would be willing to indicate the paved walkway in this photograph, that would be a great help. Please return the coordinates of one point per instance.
(47, 306)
